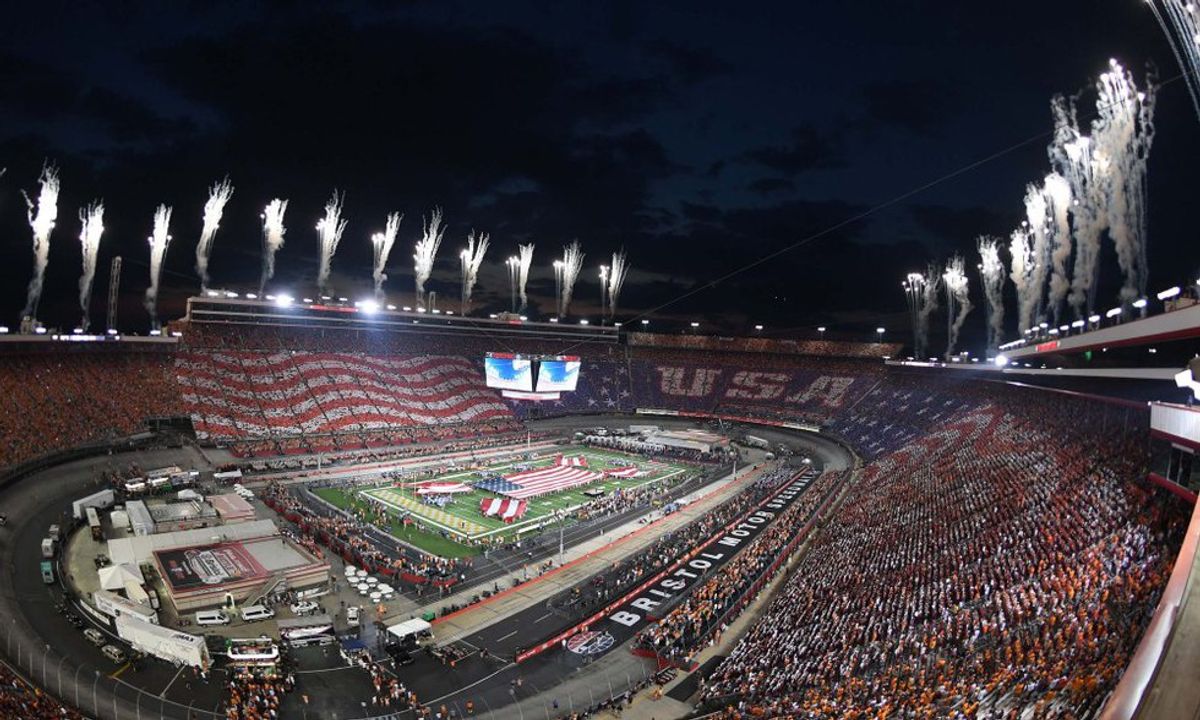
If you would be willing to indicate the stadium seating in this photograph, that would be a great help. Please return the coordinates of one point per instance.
(54, 401)
(999, 560)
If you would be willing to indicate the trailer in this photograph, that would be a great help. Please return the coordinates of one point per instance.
(47, 572)
(93, 519)
(312, 630)
(101, 501)
(173, 646)
(757, 442)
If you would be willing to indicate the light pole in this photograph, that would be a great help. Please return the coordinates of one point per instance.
(879, 331)
(821, 332)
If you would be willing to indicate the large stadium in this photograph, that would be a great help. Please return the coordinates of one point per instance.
(274, 483)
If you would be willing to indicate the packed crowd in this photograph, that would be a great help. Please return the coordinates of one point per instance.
(52, 401)
(390, 695)
(705, 613)
(1002, 566)
(626, 574)
(19, 699)
(255, 695)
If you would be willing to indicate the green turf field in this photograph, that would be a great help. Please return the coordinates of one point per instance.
(443, 528)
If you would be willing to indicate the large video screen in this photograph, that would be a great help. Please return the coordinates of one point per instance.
(558, 375)
(506, 372)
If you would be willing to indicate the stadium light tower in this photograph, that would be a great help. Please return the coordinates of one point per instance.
(821, 332)
(879, 331)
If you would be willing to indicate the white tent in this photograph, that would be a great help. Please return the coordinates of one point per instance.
(409, 627)
(114, 577)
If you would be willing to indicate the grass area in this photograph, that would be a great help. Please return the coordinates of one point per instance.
(444, 527)
(429, 541)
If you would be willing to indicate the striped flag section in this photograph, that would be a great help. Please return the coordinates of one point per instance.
(577, 461)
(507, 509)
(547, 480)
(241, 394)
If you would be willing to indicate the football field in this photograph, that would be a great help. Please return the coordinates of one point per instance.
(463, 519)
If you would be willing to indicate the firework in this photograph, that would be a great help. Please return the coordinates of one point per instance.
(921, 292)
(472, 258)
(214, 208)
(1073, 156)
(92, 218)
(616, 280)
(426, 252)
(160, 238)
(572, 264)
(513, 264)
(991, 271)
(1184, 40)
(1021, 269)
(958, 301)
(329, 234)
(382, 244)
(1029, 291)
(1123, 133)
(273, 232)
(525, 259)
(1057, 193)
(42, 216)
(914, 292)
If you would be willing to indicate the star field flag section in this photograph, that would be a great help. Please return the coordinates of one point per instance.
(542, 481)
(560, 375)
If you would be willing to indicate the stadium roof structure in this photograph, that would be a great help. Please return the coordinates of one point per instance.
(225, 310)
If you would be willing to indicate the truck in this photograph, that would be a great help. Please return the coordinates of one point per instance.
(757, 442)
(48, 546)
(93, 519)
(173, 646)
(311, 630)
(47, 572)
(55, 533)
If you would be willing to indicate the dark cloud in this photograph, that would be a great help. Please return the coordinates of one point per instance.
(690, 64)
(918, 106)
(771, 186)
(953, 229)
(809, 149)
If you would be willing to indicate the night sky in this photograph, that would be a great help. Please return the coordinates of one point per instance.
(699, 136)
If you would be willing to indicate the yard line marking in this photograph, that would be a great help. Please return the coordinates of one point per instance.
(514, 632)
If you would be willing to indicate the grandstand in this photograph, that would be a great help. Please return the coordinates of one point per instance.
(1001, 551)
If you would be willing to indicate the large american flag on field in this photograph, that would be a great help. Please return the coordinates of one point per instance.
(532, 483)
(236, 394)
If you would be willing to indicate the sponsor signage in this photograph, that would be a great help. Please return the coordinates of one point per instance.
(190, 568)
(1047, 346)
(624, 618)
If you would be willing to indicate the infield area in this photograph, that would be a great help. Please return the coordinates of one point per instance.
(461, 520)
